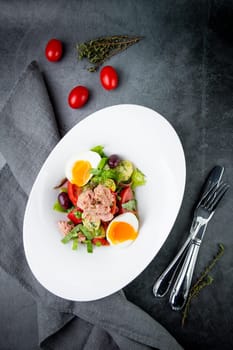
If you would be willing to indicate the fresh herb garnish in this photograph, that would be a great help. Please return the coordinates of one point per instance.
(99, 50)
(101, 175)
(99, 149)
(203, 281)
(130, 205)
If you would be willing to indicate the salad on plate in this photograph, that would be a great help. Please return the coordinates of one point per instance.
(97, 200)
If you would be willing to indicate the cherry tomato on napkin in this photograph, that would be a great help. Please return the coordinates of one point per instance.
(109, 78)
(54, 50)
(78, 96)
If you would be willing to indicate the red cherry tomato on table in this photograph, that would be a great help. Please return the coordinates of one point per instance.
(54, 50)
(78, 96)
(109, 78)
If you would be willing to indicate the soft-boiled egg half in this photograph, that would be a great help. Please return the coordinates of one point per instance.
(123, 229)
(78, 167)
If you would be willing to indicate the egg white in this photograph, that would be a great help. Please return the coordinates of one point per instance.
(129, 218)
(92, 157)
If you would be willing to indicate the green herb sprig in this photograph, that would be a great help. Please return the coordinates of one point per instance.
(99, 50)
(203, 281)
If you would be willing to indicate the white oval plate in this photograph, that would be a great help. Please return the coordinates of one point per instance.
(147, 139)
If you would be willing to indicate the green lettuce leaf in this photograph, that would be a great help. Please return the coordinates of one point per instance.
(57, 206)
(138, 178)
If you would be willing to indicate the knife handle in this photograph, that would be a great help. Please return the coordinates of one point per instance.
(180, 291)
(164, 281)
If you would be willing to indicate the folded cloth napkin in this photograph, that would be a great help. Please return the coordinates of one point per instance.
(28, 133)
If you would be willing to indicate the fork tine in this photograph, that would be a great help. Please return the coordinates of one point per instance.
(219, 196)
(209, 194)
(214, 200)
(212, 194)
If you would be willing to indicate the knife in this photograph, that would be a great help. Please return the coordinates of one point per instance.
(164, 281)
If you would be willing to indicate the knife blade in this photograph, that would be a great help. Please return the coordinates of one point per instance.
(164, 281)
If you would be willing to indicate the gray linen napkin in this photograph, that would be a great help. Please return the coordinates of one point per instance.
(28, 133)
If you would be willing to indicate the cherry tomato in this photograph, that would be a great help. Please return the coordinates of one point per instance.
(73, 192)
(126, 195)
(101, 241)
(75, 216)
(109, 78)
(78, 96)
(54, 50)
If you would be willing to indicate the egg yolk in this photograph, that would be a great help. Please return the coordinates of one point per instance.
(120, 232)
(81, 172)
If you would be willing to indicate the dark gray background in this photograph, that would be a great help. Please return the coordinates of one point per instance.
(183, 68)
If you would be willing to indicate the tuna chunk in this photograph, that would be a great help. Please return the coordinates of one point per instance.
(65, 227)
(96, 204)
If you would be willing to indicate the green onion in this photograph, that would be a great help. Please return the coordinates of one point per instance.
(102, 162)
(86, 232)
(89, 247)
(75, 243)
(72, 234)
(69, 236)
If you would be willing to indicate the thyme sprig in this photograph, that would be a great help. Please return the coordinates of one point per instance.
(203, 281)
(99, 50)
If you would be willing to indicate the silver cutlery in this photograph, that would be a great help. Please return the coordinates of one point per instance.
(202, 216)
(164, 281)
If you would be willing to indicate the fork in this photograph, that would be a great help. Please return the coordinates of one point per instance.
(202, 215)
(163, 283)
